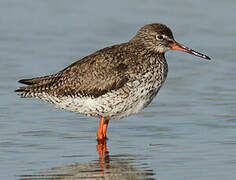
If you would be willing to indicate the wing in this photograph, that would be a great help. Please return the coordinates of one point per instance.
(94, 75)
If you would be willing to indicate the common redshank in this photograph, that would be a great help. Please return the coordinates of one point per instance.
(113, 82)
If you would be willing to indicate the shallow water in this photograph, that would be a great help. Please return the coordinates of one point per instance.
(189, 129)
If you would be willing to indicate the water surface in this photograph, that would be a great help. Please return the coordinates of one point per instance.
(188, 132)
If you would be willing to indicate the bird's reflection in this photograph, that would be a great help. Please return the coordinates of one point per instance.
(103, 154)
(122, 166)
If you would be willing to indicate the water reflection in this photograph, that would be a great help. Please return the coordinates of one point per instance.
(120, 166)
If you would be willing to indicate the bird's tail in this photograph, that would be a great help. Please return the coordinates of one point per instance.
(36, 85)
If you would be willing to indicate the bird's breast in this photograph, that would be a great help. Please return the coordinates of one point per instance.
(141, 91)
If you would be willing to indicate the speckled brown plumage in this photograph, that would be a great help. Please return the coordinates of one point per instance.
(113, 82)
(103, 71)
(94, 75)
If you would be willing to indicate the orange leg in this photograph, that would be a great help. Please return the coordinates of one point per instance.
(102, 129)
(101, 145)
(105, 128)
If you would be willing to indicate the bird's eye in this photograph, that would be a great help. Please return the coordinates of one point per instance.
(159, 37)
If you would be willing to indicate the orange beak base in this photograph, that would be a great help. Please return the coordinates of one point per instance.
(180, 47)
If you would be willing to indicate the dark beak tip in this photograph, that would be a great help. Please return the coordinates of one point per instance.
(207, 57)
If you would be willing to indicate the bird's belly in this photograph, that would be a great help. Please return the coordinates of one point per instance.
(130, 99)
(114, 105)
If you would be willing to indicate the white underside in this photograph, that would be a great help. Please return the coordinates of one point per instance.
(128, 100)
(113, 105)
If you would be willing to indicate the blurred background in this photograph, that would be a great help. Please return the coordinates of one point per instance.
(188, 132)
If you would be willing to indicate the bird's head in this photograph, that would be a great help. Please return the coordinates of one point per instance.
(159, 38)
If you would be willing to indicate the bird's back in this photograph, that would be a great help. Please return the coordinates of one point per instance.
(94, 75)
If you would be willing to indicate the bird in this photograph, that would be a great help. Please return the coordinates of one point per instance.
(111, 83)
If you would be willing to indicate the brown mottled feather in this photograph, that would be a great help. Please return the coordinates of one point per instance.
(94, 75)
(101, 72)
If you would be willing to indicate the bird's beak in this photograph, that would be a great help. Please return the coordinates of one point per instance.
(180, 47)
